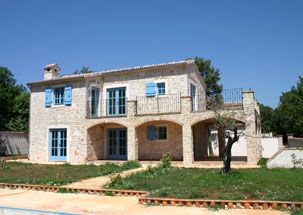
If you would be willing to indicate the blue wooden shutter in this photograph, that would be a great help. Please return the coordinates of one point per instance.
(151, 132)
(150, 89)
(68, 95)
(48, 97)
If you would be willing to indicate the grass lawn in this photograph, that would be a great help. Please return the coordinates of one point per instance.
(14, 172)
(262, 184)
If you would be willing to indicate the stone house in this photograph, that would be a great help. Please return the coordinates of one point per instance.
(134, 113)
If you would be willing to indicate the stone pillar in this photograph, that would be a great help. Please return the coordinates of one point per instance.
(132, 143)
(280, 141)
(188, 145)
(185, 104)
(132, 140)
(252, 135)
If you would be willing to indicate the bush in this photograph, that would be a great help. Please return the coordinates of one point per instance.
(166, 160)
(130, 165)
(262, 162)
(118, 182)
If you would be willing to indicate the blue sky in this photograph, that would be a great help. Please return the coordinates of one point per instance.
(255, 44)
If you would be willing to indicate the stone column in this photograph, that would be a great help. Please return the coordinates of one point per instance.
(132, 143)
(188, 145)
(132, 140)
(252, 135)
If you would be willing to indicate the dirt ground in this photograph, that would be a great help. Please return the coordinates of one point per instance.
(92, 204)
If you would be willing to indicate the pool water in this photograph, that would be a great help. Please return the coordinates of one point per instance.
(22, 211)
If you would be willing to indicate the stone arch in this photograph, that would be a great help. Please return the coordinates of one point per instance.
(205, 143)
(96, 140)
(154, 149)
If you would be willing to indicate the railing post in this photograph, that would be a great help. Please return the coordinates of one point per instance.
(157, 104)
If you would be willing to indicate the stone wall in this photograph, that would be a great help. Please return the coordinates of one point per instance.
(153, 150)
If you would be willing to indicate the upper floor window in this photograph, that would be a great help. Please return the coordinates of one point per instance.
(116, 101)
(161, 88)
(95, 101)
(59, 95)
(153, 89)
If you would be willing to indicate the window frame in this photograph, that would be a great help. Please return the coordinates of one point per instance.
(157, 90)
(116, 105)
(157, 133)
(94, 101)
(62, 88)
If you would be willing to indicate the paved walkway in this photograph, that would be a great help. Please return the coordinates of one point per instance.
(99, 182)
(105, 205)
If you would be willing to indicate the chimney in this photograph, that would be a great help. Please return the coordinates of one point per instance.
(51, 71)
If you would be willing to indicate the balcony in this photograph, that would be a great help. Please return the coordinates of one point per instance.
(228, 99)
(106, 108)
(166, 104)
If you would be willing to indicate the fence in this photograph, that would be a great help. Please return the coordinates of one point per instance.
(295, 141)
(13, 143)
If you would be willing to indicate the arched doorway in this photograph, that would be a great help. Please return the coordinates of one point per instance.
(207, 146)
(107, 141)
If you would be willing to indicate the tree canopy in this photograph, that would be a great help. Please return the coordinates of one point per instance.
(287, 118)
(83, 70)
(266, 113)
(14, 100)
(210, 74)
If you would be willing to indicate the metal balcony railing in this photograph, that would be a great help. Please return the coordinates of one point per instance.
(229, 98)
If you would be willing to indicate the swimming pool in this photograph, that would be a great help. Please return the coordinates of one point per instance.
(22, 211)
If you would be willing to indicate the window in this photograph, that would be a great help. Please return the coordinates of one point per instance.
(157, 133)
(116, 101)
(162, 133)
(94, 101)
(161, 88)
(193, 94)
(59, 96)
(153, 89)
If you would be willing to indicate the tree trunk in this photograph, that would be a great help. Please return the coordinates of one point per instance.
(221, 141)
(227, 152)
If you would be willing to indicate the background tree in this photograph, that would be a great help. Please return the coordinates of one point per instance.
(211, 76)
(288, 116)
(14, 100)
(83, 70)
(266, 114)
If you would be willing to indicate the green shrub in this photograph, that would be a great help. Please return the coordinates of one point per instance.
(132, 164)
(118, 183)
(166, 160)
(262, 162)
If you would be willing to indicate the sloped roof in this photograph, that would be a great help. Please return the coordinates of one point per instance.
(105, 72)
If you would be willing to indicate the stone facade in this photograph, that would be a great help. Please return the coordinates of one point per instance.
(87, 137)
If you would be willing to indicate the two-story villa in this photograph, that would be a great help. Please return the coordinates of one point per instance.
(134, 113)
